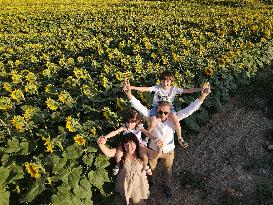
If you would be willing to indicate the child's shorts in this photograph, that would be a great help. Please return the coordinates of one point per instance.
(153, 111)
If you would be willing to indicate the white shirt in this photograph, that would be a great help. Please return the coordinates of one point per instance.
(165, 130)
(137, 132)
(161, 94)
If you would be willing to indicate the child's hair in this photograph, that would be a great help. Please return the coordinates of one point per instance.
(167, 75)
(129, 137)
(133, 116)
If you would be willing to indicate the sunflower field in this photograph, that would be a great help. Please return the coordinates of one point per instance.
(62, 63)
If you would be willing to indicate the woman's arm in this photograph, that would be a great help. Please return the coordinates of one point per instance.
(114, 133)
(106, 150)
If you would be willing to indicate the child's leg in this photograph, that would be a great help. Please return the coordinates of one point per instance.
(144, 155)
(118, 156)
(175, 120)
(152, 124)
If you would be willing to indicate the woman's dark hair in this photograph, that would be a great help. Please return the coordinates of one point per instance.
(129, 137)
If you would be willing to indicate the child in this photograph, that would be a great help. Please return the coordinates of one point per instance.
(132, 125)
(165, 92)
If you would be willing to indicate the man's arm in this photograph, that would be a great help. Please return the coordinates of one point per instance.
(194, 105)
(135, 102)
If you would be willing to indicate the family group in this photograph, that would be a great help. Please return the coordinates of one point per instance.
(137, 156)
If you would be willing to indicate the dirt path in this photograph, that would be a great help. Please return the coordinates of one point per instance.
(228, 162)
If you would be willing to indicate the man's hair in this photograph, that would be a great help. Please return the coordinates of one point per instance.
(163, 103)
(167, 75)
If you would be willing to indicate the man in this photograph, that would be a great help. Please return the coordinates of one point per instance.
(164, 130)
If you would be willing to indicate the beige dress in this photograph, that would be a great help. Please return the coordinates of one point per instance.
(131, 181)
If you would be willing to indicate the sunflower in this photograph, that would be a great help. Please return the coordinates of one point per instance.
(5, 103)
(48, 145)
(209, 71)
(69, 124)
(92, 131)
(79, 140)
(19, 123)
(51, 104)
(32, 169)
(17, 95)
(7, 86)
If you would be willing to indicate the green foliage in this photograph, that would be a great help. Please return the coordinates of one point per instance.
(264, 193)
(37, 188)
(191, 124)
(4, 194)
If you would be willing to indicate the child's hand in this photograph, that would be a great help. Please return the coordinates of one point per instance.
(206, 84)
(147, 170)
(102, 140)
(206, 91)
(126, 85)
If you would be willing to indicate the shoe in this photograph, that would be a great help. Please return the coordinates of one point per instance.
(115, 170)
(148, 170)
(167, 192)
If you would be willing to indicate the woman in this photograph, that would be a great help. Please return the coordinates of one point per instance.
(131, 181)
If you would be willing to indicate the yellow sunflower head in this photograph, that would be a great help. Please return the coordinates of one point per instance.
(32, 169)
(209, 71)
(79, 140)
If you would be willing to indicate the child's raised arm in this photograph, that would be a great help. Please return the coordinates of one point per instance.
(147, 133)
(191, 90)
(127, 86)
(115, 132)
(141, 89)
